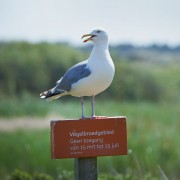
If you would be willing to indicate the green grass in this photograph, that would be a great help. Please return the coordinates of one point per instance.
(70, 108)
(24, 106)
(30, 151)
(153, 141)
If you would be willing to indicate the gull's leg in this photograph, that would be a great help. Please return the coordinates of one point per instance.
(82, 106)
(92, 104)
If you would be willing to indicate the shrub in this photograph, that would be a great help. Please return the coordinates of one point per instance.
(134, 84)
(22, 175)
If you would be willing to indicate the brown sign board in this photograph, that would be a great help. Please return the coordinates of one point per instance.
(100, 136)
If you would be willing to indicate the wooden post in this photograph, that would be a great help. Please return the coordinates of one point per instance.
(85, 168)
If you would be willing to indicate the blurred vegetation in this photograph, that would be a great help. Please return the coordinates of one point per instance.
(145, 88)
(68, 175)
(153, 144)
(21, 175)
(27, 68)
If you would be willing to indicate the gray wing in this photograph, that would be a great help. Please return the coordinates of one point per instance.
(73, 75)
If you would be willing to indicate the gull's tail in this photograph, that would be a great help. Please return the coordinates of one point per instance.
(52, 94)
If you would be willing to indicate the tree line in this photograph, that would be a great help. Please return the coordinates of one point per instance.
(33, 68)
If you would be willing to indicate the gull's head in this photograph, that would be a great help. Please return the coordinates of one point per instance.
(96, 36)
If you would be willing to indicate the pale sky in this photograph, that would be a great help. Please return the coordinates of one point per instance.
(126, 21)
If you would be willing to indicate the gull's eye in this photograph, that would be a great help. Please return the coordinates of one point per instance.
(98, 31)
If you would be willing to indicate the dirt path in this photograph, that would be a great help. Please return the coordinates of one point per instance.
(25, 123)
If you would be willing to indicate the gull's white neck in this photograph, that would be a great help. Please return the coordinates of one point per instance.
(100, 50)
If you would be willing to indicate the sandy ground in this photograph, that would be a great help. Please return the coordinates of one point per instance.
(25, 123)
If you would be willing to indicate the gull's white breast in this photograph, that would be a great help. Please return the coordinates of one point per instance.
(102, 73)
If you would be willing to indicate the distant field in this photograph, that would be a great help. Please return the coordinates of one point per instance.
(153, 141)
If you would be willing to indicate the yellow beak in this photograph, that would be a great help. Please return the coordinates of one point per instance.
(87, 35)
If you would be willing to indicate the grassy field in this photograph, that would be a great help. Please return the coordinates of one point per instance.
(153, 141)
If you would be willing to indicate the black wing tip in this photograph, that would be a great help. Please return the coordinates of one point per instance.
(49, 94)
(45, 95)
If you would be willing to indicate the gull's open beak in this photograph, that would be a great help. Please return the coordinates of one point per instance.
(88, 35)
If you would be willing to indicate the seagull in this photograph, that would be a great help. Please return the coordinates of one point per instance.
(89, 77)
